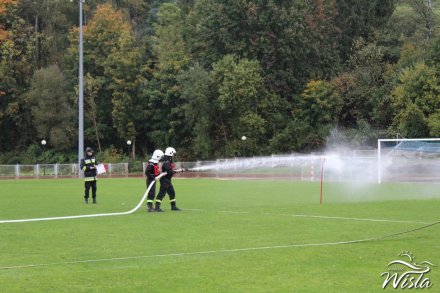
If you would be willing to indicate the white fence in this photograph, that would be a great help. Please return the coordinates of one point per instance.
(56, 170)
(354, 167)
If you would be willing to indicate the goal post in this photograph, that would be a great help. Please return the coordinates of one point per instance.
(419, 157)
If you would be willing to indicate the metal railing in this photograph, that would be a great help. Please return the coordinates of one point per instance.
(56, 170)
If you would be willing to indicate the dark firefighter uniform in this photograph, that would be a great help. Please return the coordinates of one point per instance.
(166, 186)
(151, 172)
(88, 166)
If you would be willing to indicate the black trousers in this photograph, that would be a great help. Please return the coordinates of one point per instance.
(166, 187)
(87, 186)
(152, 192)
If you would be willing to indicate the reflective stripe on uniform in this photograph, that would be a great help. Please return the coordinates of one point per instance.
(90, 179)
(149, 200)
(84, 168)
(172, 200)
(87, 161)
(158, 200)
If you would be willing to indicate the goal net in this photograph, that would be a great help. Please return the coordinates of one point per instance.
(415, 159)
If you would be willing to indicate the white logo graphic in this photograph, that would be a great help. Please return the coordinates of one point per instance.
(407, 275)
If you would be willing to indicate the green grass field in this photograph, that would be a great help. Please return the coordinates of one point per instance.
(233, 236)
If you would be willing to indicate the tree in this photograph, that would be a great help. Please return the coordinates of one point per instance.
(434, 124)
(415, 98)
(316, 112)
(362, 84)
(5, 5)
(360, 18)
(411, 122)
(292, 40)
(434, 53)
(124, 67)
(166, 115)
(91, 88)
(16, 68)
(239, 85)
(52, 110)
(111, 58)
(424, 15)
(200, 109)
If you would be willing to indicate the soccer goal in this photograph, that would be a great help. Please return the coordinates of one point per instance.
(408, 159)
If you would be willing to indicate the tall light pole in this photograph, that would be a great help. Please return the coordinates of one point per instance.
(43, 143)
(430, 19)
(243, 138)
(80, 90)
(128, 147)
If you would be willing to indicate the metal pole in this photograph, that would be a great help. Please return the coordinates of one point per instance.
(80, 91)
(44, 166)
(430, 19)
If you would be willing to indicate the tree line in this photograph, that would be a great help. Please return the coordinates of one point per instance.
(291, 76)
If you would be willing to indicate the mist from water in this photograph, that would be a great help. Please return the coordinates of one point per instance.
(341, 161)
(354, 174)
(336, 166)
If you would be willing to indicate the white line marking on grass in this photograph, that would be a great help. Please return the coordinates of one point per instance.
(352, 219)
(316, 216)
(222, 250)
(188, 253)
(233, 212)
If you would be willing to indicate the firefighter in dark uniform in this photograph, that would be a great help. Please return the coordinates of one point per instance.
(88, 166)
(165, 182)
(152, 171)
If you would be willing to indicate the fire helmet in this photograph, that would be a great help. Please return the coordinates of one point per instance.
(157, 155)
(170, 151)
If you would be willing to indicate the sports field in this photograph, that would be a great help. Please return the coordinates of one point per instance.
(233, 236)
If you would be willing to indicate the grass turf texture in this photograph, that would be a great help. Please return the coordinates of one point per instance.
(268, 222)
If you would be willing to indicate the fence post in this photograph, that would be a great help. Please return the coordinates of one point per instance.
(37, 171)
(110, 169)
(17, 171)
(126, 168)
(56, 170)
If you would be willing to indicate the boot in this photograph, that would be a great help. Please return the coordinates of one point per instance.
(150, 207)
(86, 200)
(157, 208)
(94, 200)
(174, 207)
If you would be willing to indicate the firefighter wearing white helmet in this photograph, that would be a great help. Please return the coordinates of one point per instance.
(152, 171)
(170, 151)
(166, 186)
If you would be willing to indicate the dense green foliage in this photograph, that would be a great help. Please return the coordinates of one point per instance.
(198, 75)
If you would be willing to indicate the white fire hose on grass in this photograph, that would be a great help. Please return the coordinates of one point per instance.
(91, 215)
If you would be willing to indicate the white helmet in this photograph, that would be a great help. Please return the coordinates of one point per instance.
(157, 155)
(170, 151)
